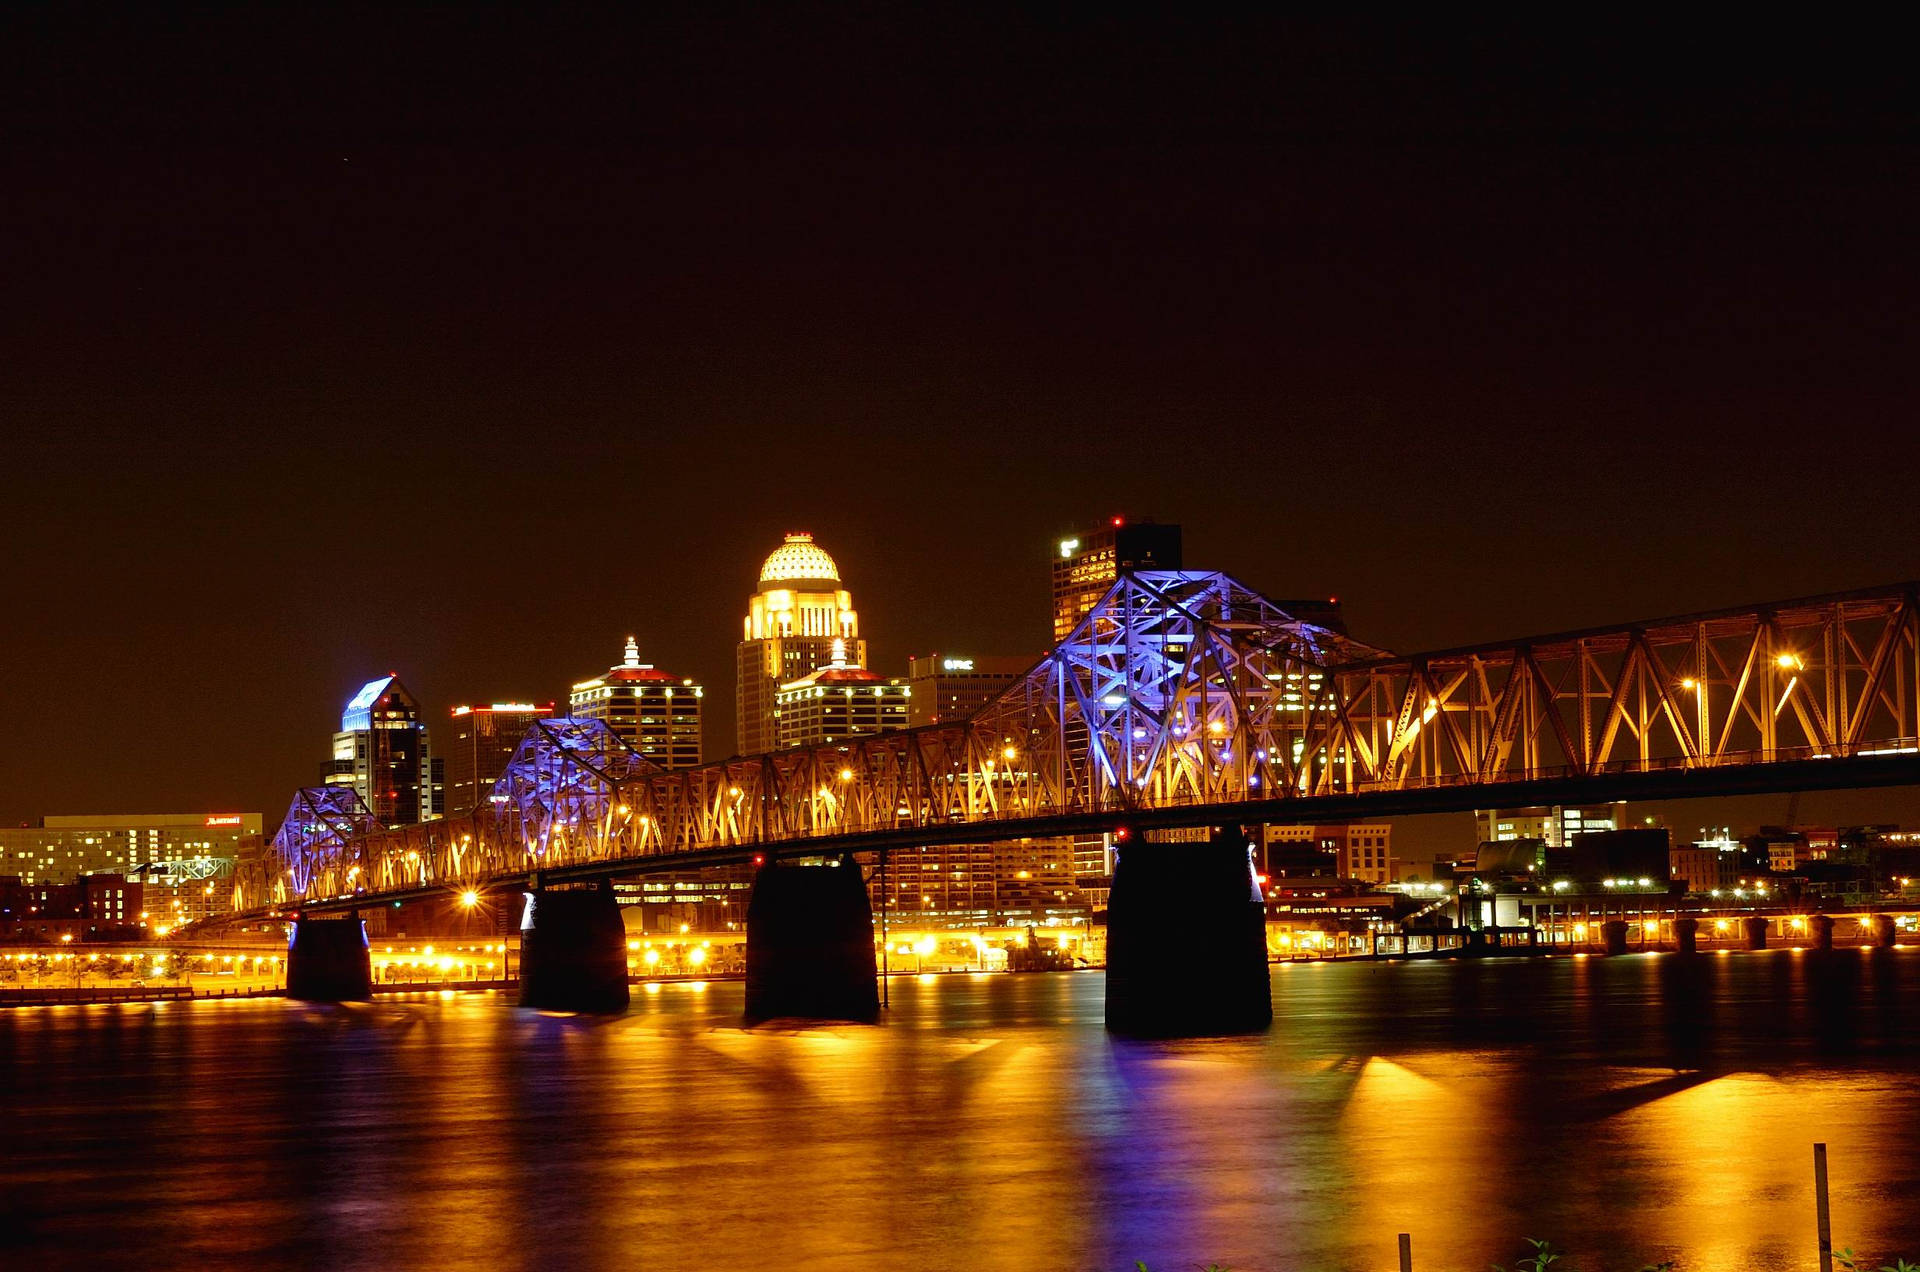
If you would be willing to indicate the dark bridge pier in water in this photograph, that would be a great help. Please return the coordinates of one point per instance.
(1201, 969)
(573, 951)
(810, 945)
(328, 960)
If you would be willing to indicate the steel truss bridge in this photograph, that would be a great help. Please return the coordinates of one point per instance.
(1185, 698)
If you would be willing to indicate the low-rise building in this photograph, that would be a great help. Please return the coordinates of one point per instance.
(1707, 865)
(184, 861)
(91, 906)
(1362, 851)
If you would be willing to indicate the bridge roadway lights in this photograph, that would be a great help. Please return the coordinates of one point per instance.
(810, 945)
(1614, 933)
(1823, 931)
(1756, 933)
(1187, 940)
(328, 960)
(573, 951)
(1686, 933)
(1883, 931)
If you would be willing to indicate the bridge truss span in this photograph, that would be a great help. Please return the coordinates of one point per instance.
(1825, 678)
(1187, 694)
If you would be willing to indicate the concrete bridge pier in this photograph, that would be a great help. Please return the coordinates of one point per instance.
(1823, 931)
(1686, 933)
(328, 960)
(1883, 931)
(810, 945)
(1614, 933)
(573, 951)
(1756, 933)
(1187, 939)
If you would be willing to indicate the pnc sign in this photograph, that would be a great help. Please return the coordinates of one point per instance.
(956, 664)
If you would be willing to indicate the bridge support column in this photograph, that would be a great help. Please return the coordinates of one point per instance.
(1686, 934)
(1756, 933)
(328, 960)
(1614, 933)
(810, 945)
(1883, 931)
(573, 951)
(1823, 931)
(1187, 940)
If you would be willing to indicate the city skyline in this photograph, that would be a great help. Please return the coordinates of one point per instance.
(1422, 837)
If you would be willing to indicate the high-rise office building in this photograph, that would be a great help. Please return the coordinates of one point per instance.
(656, 714)
(1085, 565)
(836, 703)
(949, 687)
(484, 740)
(382, 750)
(798, 620)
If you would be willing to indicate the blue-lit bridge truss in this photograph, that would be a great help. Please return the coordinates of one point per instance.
(1184, 698)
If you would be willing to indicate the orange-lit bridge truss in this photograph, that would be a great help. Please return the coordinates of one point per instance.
(1185, 698)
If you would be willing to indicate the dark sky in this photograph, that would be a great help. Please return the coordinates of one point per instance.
(464, 345)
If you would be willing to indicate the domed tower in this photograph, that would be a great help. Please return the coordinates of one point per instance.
(798, 620)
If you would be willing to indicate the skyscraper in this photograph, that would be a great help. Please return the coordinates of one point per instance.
(484, 739)
(1087, 564)
(382, 751)
(798, 620)
(656, 714)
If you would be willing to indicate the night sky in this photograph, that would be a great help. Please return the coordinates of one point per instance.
(462, 346)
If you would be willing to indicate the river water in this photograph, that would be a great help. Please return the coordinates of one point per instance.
(1629, 1109)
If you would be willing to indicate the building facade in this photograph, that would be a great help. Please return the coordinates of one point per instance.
(1707, 865)
(484, 739)
(1359, 850)
(949, 687)
(657, 714)
(383, 751)
(92, 906)
(799, 620)
(1555, 825)
(183, 862)
(838, 703)
(1085, 565)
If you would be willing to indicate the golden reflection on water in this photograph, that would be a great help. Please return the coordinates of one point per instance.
(1629, 1109)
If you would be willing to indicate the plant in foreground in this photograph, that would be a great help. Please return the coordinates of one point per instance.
(1544, 1256)
(1848, 1261)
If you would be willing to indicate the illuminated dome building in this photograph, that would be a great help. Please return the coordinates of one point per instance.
(795, 620)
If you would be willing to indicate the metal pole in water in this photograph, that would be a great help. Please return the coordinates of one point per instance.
(1820, 1206)
(1406, 1252)
(885, 988)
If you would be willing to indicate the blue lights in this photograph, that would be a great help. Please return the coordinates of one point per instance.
(358, 714)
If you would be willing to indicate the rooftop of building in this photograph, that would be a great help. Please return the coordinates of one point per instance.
(799, 559)
(358, 713)
(124, 821)
(844, 674)
(630, 670)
